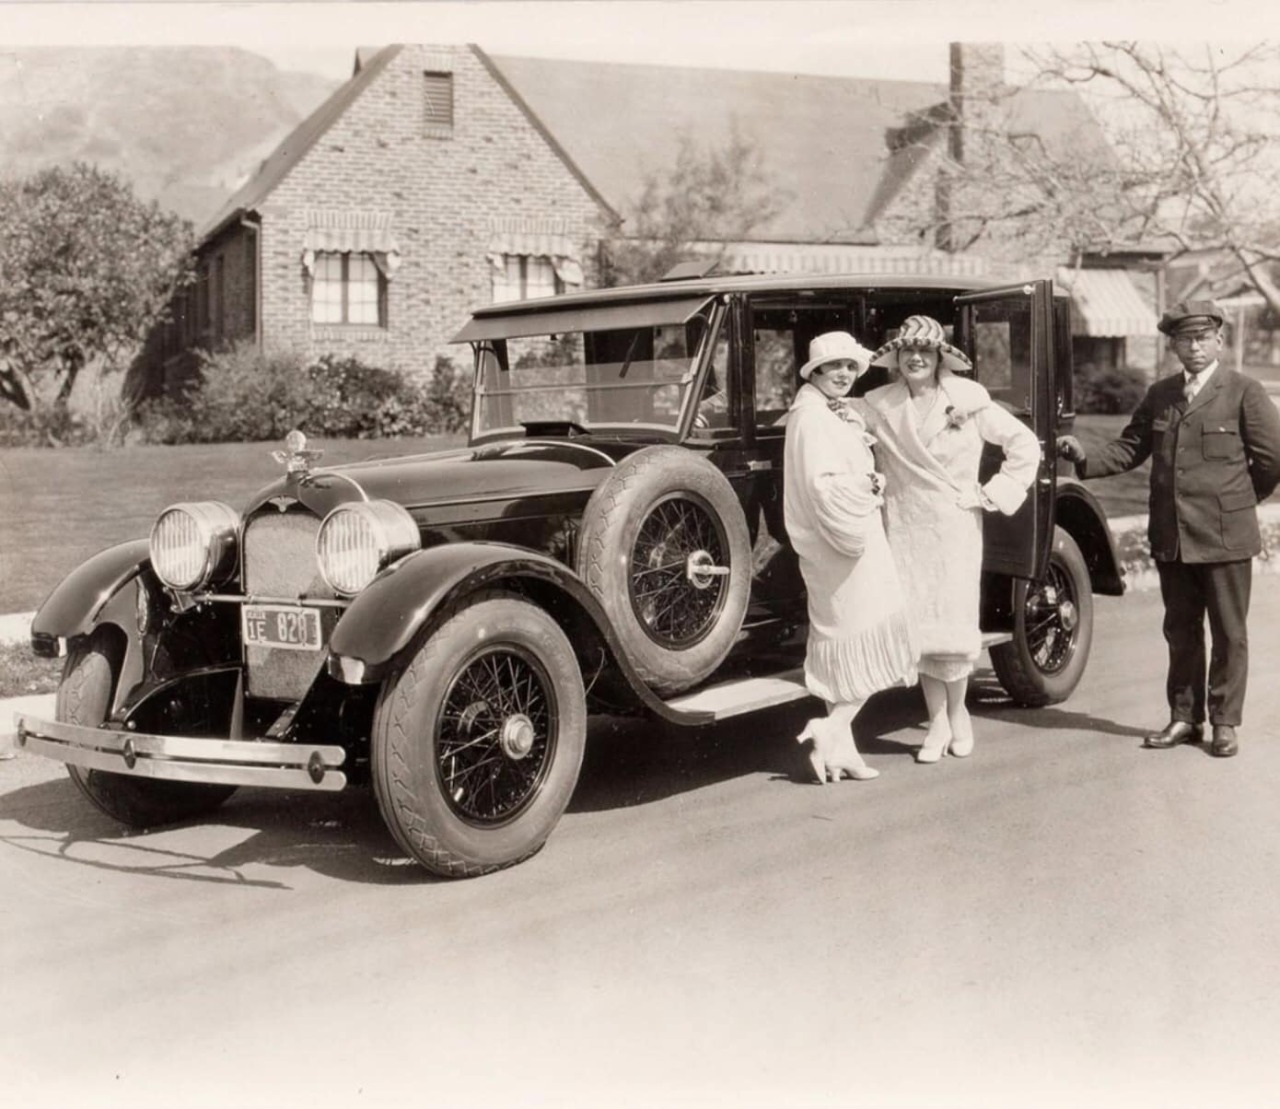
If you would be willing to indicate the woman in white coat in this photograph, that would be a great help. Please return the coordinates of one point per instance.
(931, 425)
(859, 634)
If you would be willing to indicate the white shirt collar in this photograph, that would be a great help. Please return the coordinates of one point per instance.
(1202, 376)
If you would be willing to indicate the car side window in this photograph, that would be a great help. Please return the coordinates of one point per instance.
(776, 373)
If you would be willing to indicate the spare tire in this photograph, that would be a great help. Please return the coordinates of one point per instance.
(664, 546)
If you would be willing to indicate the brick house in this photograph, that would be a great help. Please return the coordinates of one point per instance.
(422, 186)
(439, 177)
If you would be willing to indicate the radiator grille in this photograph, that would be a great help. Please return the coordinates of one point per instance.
(280, 561)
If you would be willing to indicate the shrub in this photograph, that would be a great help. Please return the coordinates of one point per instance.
(241, 395)
(1108, 390)
(348, 399)
(46, 426)
(448, 399)
(244, 395)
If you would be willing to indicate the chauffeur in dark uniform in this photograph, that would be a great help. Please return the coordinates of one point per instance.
(1213, 436)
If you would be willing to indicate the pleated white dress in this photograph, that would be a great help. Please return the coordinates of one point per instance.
(934, 505)
(860, 637)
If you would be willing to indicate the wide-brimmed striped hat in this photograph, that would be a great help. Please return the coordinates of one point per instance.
(922, 332)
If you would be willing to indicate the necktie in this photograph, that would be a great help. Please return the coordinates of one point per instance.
(1192, 387)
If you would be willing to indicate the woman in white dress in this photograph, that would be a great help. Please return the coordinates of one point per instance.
(931, 426)
(859, 634)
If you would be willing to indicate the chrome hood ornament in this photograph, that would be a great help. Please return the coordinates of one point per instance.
(295, 458)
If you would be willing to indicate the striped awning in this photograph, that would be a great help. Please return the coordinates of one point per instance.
(1106, 303)
(535, 238)
(344, 231)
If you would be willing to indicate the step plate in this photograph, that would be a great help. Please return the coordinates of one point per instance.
(743, 695)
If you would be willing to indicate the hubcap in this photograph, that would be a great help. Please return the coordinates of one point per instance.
(702, 571)
(517, 736)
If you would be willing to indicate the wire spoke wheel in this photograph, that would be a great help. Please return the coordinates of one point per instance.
(478, 740)
(496, 734)
(665, 548)
(678, 580)
(1051, 619)
(1052, 630)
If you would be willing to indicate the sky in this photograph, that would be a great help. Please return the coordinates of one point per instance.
(864, 38)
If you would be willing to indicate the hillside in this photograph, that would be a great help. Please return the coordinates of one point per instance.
(184, 124)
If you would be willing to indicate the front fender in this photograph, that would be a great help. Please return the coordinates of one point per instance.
(81, 600)
(1080, 514)
(384, 622)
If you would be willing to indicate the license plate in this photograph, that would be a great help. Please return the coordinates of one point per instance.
(294, 629)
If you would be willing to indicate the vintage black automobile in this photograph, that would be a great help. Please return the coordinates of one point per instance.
(610, 540)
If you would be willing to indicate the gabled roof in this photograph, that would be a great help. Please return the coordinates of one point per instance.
(840, 148)
(276, 166)
(1058, 119)
(822, 139)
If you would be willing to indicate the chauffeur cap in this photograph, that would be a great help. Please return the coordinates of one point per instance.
(1190, 313)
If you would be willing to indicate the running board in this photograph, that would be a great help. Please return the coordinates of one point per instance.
(742, 695)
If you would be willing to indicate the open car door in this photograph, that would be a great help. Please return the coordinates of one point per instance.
(1009, 335)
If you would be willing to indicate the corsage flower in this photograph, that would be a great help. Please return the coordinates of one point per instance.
(956, 417)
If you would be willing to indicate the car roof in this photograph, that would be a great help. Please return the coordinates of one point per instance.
(735, 283)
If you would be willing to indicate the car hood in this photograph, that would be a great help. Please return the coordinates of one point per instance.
(497, 472)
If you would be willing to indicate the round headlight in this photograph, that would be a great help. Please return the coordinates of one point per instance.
(194, 544)
(357, 540)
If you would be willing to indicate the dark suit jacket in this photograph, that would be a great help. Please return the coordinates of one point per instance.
(1211, 462)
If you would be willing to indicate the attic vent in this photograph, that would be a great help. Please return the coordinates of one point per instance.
(437, 104)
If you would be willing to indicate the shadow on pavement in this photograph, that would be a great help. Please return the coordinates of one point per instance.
(986, 697)
(340, 836)
(637, 762)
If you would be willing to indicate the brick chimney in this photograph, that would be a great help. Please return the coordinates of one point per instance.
(977, 76)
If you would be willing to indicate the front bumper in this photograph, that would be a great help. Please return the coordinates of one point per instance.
(230, 762)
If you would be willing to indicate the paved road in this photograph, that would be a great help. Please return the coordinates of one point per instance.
(1064, 919)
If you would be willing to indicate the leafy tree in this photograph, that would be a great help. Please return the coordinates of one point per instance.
(86, 269)
(711, 196)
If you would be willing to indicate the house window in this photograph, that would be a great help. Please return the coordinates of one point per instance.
(348, 288)
(437, 104)
(524, 276)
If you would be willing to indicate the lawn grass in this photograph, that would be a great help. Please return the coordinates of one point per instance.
(58, 507)
(22, 674)
(1122, 494)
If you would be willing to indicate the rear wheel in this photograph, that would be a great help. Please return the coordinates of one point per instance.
(477, 743)
(84, 697)
(1053, 630)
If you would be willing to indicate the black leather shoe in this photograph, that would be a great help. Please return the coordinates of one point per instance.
(1173, 733)
(1224, 743)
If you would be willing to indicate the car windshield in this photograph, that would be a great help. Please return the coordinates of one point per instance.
(634, 377)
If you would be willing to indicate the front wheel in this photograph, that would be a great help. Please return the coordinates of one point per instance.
(84, 697)
(1053, 630)
(478, 741)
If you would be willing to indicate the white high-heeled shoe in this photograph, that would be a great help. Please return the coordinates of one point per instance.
(932, 751)
(834, 755)
(961, 744)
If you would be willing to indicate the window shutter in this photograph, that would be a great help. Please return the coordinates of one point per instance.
(437, 103)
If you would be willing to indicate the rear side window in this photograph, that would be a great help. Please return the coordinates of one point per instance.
(777, 373)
